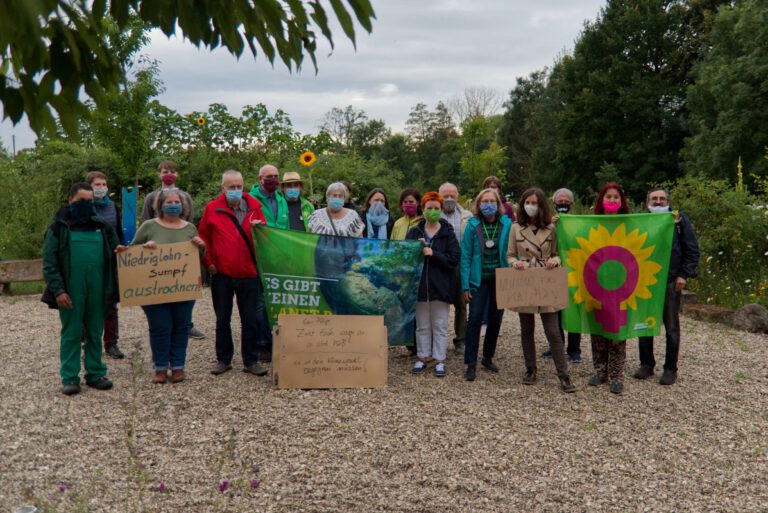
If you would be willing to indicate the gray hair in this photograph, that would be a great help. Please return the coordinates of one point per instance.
(335, 187)
(162, 195)
(562, 191)
(666, 193)
(230, 172)
(446, 184)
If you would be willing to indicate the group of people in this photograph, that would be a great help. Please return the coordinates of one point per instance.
(462, 249)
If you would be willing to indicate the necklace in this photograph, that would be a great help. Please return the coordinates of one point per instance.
(489, 243)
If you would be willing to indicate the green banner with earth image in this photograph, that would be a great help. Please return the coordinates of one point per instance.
(309, 274)
(617, 272)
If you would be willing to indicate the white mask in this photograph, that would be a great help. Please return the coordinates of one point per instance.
(531, 210)
(657, 209)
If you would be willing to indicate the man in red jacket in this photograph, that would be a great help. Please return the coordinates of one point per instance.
(231, 261)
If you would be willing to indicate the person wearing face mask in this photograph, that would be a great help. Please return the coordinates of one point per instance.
(683, 262)
(110, 213)
(436, 286)
(458, 217)
(533, 244)
(81, 282)
(493, 182)
(563, 201)
(231, 261)
(168, 172)
(168, 322)
(410, 200)
(483, 250)
(609, 356)
(336, 219)
(271, 198)
(299, 208)
(377, 223)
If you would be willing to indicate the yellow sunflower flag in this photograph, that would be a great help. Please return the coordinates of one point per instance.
(617, 272)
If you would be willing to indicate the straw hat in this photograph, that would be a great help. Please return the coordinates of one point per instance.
(291, 177)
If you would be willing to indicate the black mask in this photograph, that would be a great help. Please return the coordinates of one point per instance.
(81, 211)
(563, 208)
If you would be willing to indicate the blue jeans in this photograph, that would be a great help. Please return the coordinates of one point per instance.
(169, 333)
(483, 299)
(253, 317)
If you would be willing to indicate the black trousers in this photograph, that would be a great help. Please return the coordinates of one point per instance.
(671, 326)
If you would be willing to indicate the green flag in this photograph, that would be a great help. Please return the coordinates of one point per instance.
(310, 274)
(617, 272)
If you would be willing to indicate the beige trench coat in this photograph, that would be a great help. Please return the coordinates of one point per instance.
(534, 249)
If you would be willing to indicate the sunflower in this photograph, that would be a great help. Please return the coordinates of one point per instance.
(307, 158)
(201, 121)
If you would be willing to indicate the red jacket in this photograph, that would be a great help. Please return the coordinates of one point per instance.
(225, 247)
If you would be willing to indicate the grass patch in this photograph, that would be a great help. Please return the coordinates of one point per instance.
(740, 377)
(24, 288)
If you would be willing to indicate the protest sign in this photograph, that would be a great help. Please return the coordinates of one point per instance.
(535, 286)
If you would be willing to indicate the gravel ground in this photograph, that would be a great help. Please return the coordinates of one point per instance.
(419, 445)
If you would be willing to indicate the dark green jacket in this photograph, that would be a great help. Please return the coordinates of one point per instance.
(56, 257)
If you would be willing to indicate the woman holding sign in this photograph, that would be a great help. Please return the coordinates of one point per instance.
(168, 322)
(533, 244)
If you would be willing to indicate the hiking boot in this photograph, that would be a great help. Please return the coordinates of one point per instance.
(547, 354)
(440, 370)
(256, 369)
(530, 376)
(644, 372)
(471, 373)
(70, 389)
(668, 377)
(419, 367)
(101, 384)
(566, 385)
(195, 333)
(178, 375)
(221, 368)
(265, 356)
(489, 365)
(114, 352)
(458, 348)
(616, 387)
(597, 379)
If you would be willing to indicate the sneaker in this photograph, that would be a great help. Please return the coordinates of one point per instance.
(265, 356)
(160, 377)
(471, 373)
(114, 352)
(70, 389)
(530, 376)
(196, 333)
(566, 385)
(178, 375)
(644, 372)
(547, 354)
(256, 369)
(458, 348)
(616, 387)
(440, 370)
(597, 379)
(419, 367)
(100, 384)
(221, 368)
(668, 377)
(575, 358)
(489, 365)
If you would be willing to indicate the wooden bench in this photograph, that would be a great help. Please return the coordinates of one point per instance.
(13, 271)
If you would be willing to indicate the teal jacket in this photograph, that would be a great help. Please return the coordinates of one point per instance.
(281, 221)
(472, 244)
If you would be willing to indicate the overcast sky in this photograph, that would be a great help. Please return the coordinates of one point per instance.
(418, 52)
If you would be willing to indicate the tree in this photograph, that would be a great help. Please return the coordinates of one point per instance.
(474, 103)
(53, 49)
(341, 124)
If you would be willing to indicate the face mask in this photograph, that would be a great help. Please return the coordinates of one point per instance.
(531, 210)
(81, 211)
(432, 215)
(168, 179)
(563, 208)
(449, 205)
(377, 213)
(489, 209)
(235, 195)
(611, 206)
(657, 209)
(99, 192)
(172, 209)
(270, 184)
(293, 194)
(336, 204)
(410, 209)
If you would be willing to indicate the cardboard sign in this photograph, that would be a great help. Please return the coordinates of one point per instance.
(168, 274)
(330, 351)
(531, 287)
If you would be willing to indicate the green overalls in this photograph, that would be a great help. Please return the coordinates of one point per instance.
(86, 289)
